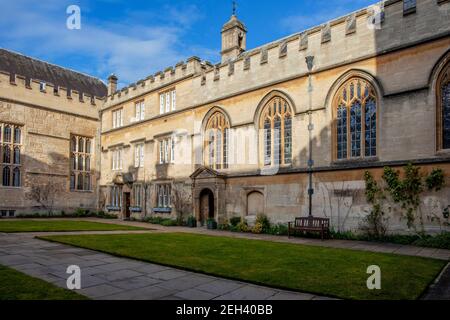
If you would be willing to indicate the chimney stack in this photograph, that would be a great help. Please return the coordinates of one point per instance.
(112, 84)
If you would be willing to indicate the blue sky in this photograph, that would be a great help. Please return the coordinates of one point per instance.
(140, 37)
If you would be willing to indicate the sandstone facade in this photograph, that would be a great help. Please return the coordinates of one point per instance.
(155, 143)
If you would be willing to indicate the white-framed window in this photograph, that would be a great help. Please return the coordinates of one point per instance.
(117, 160)
(167, 101)
(137, 194)
(140, 110)
(117, 116)
(164, 195)
(139, 155)
(116, 196)
(167, 151)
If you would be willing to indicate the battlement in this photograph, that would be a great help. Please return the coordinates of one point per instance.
(42, 94)
(157, 81)
(360, 34)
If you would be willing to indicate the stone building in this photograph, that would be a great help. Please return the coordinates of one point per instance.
(232, 139)
(49, 121)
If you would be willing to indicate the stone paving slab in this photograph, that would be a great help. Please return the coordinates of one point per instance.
(105, 277)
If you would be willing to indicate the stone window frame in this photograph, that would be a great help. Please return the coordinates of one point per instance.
(117, 159)
(163, 195)
(84, 168)
(409, 6)
(279, 107)
(15, 161)
(217, 131)
(138, 193)
(166, 150)
(117, 118)
(168, 101)
(116, 196)
(348, 103)
(139, 107)
(139, 155)
(442, 79)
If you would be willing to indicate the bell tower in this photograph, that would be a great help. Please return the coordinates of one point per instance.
(234, 38)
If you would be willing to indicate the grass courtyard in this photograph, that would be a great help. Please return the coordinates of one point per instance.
(15, 285)
(325, 271)
(9, 226)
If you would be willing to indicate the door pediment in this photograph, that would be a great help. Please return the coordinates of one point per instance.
(206, 173)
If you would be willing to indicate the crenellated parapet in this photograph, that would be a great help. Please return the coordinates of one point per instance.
(157, 81)
(36, 93)
(366, 33)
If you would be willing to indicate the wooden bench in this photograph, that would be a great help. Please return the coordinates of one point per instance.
(310, 224)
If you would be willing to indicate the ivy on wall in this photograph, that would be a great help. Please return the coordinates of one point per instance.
(404, 191)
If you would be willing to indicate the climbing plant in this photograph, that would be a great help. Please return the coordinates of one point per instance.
(375, 222)
(404, 191)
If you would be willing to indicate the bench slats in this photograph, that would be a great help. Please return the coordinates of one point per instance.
(310, 224)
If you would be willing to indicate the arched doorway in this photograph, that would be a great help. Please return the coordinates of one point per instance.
(255, 203)
(206, 205)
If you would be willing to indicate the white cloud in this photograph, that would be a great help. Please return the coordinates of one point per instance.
(128, 48)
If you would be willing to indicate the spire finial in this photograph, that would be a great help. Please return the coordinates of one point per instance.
(234, 8)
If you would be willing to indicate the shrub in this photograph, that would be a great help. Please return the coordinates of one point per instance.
(258, 228)
(235, 221)
(264, 222)
(169, 223)
(224, 227)
(242, 226)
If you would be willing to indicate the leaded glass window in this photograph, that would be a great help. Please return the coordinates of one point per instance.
(276, 125)
(10, 155)
(356, 120)
(443, 103)
(217, 138)
(80, 164)
(446, 115)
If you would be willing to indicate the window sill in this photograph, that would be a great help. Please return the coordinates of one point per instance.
(443, 152)
(354, 160)
(82, 191)
(136, 209)
(113, 209)
(162, 210)
(9, 187)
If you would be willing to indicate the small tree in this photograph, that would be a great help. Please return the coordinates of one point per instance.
(45, 194)
(181, 201)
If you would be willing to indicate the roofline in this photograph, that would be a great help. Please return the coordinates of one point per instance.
(55, 65)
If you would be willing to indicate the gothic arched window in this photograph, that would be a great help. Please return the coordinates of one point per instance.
(355, 111)
(6, 177)
(10, 158)
(443, 96)
(16, 177)
(216, 142)
(276, 125)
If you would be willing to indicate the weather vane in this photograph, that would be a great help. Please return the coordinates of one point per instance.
(234, 8)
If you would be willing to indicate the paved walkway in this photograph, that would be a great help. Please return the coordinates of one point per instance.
(441, 254)
(106, 277)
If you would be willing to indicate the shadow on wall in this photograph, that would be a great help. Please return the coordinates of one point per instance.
(45, 187)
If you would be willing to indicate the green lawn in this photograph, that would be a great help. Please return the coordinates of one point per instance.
(9, 226)
(15, 285)
(327, 271)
